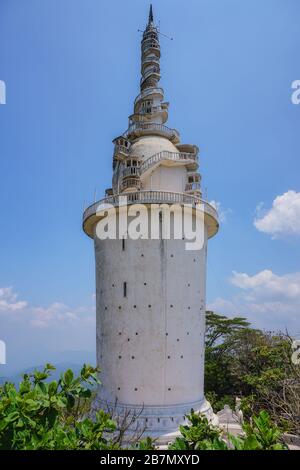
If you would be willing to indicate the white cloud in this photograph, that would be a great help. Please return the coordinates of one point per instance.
(55, 313)
(9, 302)
(267, 284)
(283, 219)
(42, 317)
(269, 300)
(223, 213)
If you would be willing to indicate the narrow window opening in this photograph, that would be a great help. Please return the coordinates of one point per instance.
(123, 244)
(125, 289)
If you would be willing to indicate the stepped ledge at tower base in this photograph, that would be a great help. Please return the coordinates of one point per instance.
(151, 293)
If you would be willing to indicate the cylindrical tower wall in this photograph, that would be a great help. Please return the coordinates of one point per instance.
(150, 321)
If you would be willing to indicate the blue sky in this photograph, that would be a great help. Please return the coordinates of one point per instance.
(71, 69)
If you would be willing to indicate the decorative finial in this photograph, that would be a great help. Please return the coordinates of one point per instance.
(150, 14)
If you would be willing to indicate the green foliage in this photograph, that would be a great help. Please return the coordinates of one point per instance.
(199, 435)
(38, 415)
(261, 434)
(145, 444)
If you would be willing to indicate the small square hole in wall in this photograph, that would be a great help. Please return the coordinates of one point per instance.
(134, 306)
(120, 307)
(135, 389)
(169, 389)
(120, 357)
(145, 283)
(136, 333)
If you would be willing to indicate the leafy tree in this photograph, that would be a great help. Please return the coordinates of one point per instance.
(254, 365)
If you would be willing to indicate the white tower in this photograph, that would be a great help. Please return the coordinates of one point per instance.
(150, 294)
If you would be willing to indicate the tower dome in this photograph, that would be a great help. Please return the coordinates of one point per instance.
(150, 145)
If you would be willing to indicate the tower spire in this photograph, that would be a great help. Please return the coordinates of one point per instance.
(150, 15)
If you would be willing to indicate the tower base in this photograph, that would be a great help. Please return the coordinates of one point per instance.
(161, 423)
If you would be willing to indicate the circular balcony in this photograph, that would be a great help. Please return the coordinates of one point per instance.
(90, 216)
(139, 129)
(149, 92)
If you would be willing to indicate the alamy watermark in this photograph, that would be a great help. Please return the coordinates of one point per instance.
(152, 221)
(296, 93)
(2, 352)
(2, 92)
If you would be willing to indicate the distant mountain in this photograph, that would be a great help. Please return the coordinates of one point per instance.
(55, 374)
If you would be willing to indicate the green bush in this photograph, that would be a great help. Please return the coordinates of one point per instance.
(260, 434)
(38, 415)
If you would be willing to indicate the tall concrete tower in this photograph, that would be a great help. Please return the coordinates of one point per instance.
(150, 293)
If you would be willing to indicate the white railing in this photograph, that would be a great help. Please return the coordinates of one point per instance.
(131, 183)
(150, 197)
(130, 171)
(195, 186)
(151, 91)
(165, 155)
(152, 127)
